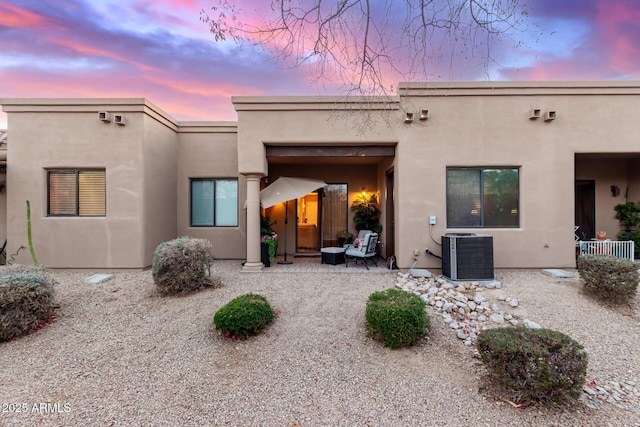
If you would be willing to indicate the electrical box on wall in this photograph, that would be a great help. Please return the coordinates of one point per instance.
(432, 220)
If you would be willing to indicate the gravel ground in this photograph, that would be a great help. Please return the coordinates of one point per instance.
(120, 354)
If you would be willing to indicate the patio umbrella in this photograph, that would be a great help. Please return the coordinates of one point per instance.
(284, 189)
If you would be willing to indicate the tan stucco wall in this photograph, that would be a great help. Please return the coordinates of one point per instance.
(634, 179)
(483, 125)
(68, 134)
(296, 120)
(312, 121)
(208, 150)
(159, 154)
(150, 160)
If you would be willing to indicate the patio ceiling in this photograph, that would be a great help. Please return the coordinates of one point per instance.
(334, 155)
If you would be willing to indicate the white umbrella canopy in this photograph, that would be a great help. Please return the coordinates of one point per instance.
(287, 188)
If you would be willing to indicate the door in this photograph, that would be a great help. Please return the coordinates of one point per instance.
(308, 223)
(335, 211)
(585, 209)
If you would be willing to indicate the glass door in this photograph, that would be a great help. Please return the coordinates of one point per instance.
(335, 211)
(308, 223)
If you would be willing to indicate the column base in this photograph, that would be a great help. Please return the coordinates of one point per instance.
(252, 267)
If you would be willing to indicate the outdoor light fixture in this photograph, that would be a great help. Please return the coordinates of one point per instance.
(408, 118)
(105, 116)
(615, 190)
(424, 114)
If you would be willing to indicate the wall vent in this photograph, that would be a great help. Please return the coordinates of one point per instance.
(119, 119)
(105, 116)
(535, 114)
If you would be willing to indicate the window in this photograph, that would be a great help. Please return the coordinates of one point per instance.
(214, 202)
(478, 197)
(75, 192)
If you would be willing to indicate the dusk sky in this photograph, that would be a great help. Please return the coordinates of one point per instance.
(159, 50)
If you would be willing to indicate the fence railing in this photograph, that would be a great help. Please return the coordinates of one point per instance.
(621, 249)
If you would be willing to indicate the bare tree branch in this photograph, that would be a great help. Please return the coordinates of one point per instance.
(367, 46)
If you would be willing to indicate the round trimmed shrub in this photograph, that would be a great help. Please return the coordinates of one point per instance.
(26, 300)
(397, 318)
(608, 277)
(244, 316)
(182, 265)
(534, 364)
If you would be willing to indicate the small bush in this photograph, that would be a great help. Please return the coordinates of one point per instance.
(244, 316)
(182, 265)
(26, 300)
(609, 278)
(396, 318)
(534, 364)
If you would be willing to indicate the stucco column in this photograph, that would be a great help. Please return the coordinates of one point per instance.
(253, 263)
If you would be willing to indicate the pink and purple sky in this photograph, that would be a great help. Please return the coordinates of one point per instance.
(159, 50)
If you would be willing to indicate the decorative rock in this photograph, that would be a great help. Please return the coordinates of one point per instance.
(462, 335)
(532, 325)
(471, 305)
(496, 318)
(454, 325)
(513, 302)
(496, 308)
(514, 322)
(461, 298)
(482, 318)
(479, 299)
(448, 306)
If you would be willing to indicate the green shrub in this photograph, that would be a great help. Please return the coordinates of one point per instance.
(534, 364)
(182, 265)
(609, 278)
(26, 300)
(244, 316)
(396, 318)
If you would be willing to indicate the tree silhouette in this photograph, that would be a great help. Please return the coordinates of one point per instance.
(366, 46)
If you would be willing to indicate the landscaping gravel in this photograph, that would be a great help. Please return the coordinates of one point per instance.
(121, 354)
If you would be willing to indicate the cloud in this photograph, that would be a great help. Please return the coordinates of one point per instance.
(582, 40)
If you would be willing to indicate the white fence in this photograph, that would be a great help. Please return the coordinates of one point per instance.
(621, 249)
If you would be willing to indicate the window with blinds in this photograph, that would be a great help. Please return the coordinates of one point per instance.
(77, 192)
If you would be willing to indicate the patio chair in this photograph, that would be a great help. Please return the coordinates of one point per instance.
(365, 254)
(361, 236)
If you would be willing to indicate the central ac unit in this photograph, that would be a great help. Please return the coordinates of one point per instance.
(467, 256)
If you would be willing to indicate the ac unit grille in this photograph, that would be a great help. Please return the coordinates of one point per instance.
(467, 257)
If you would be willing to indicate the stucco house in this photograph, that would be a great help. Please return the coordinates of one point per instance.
(524, 162)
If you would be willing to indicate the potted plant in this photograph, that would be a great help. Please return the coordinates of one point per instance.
(268, 246)
(629, 215)
(268, 241)
(366, 212)
(344, 238)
